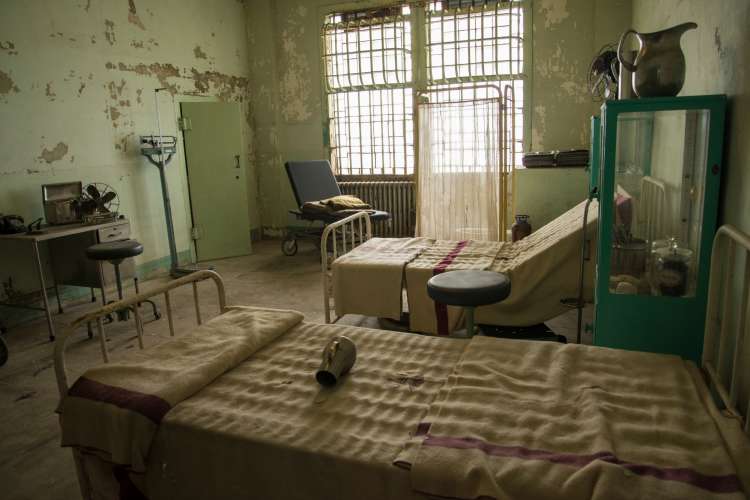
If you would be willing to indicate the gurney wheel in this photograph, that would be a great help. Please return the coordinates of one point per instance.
(289, 247)
(3, 351)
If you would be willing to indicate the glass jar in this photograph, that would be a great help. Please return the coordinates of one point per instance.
(672, 267)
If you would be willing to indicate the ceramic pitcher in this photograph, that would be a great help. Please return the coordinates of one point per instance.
(659, 66)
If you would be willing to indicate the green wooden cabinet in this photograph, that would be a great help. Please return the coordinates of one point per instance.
(659, 179)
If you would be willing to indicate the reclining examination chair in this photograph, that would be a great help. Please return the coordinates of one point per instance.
(313, 180)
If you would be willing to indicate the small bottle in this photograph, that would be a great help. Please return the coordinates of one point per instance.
(521, 228)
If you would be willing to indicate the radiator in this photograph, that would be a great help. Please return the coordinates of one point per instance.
(395, 197)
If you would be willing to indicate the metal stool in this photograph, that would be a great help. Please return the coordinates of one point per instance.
(115, 252)
(469, 289)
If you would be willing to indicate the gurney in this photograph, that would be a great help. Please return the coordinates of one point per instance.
(417, 416)
(544, 270)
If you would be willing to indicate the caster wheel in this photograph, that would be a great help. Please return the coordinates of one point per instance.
(289, 247)
(3, 351)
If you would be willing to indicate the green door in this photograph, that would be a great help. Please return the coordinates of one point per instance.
(216, 176)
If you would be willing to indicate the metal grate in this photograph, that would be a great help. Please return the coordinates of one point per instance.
(368, 68)
(470, 41)
(483, 42)
(367, 52)
(370, 75)
(372, 132)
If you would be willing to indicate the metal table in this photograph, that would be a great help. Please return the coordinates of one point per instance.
(45, 234)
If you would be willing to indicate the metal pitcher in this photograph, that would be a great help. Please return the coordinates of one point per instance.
(339, 356)
(659, 66)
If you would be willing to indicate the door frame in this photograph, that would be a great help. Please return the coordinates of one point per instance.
(188, 205)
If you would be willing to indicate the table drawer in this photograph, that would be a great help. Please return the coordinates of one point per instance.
(114, 233)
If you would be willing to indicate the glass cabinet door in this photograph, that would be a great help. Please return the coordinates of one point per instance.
(660, 175)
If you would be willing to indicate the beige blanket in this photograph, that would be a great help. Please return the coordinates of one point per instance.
(541, 420)
(115, 409)
(369, 280)
(267, 430)
(425, 315)
(543, 269)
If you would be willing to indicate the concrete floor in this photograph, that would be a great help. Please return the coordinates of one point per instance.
(32, 463)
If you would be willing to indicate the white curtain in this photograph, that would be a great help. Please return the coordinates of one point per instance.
(460, 172)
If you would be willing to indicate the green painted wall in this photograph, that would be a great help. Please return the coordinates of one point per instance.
(718, 62)
(284, 37)
(77, 80)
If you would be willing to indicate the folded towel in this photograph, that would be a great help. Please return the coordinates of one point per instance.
(345, 202)
(115, 409)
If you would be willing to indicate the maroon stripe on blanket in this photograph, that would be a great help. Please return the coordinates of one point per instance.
(728, 483)
(441, 310)
(152, 407)
(423, 428)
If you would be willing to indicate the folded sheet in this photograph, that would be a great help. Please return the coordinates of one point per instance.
(115, 409)
(369, 280)
(541, 420)
(425, 315)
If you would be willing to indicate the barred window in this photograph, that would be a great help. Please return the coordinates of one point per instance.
(370, 74)
(368, 70)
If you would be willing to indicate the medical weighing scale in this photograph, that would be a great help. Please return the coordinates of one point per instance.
(159, 150)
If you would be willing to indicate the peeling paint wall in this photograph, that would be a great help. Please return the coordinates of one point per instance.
(566, 34)
(284, 38)
(718, 62)
(77, 80)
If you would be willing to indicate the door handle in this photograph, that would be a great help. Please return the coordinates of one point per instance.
(236, 161)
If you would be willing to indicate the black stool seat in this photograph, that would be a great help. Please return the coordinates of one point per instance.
(469, 288)
(114, 250)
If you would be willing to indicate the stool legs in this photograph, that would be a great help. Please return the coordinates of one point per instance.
(118, 280)
(469, 321)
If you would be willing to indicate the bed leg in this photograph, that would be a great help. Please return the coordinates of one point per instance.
(83, 480)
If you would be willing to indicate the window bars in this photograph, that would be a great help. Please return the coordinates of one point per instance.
(368, 78)
(475, 43)
(370, 74)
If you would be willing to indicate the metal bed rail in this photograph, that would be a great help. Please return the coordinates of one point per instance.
(98, 315)
(345, 235)
(726, 324)
(651, 210)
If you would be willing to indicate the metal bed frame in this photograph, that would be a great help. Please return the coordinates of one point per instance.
(336, 232)
(716, 362)
(99, 314)
(725, 374)
(650, 211)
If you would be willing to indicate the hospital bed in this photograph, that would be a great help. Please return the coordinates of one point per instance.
(364, 275)
(232, 410)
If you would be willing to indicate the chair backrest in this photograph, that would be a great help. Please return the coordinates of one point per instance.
(311, 180)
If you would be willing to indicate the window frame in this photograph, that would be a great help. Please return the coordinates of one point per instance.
(420, 82)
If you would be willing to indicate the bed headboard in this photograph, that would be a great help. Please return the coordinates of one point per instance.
(725, 353)
(337, 239)
(652, 208)
(98, 315)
